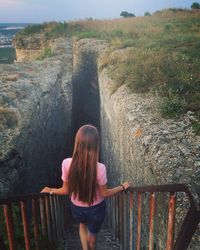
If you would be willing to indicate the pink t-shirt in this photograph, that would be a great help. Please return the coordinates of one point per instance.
(101, 180)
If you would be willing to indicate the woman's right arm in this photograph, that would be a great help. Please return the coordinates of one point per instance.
(59, 191)
(106, 192)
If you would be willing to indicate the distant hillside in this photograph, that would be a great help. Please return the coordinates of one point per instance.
(157, 54)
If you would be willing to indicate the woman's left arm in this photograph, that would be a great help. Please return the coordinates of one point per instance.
(58, 191)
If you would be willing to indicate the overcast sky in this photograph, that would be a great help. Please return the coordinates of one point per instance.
(60, 10)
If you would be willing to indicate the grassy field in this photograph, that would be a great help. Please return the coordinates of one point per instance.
(159, 54)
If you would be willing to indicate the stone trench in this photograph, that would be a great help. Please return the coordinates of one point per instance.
(43, 105)
(53, 98)
(85, 89)
(86, 110)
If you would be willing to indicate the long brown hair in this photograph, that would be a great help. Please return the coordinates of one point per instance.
(83, 169)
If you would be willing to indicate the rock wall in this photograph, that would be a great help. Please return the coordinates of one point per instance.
(145, 149)
(30, 47)
(137, 144)
(36, 105)
(140, 146)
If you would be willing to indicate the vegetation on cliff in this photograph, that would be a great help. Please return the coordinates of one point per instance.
(158, 53)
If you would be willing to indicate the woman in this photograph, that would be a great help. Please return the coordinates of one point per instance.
(85, 181)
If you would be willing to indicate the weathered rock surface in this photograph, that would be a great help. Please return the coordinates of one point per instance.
(30, 47)
(151, 149)
(139, 145)
(36, 103)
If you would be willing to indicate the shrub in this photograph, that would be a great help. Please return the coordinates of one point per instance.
(176, 9)
(147, 13)
(126, 14)
(172, 77)
(171, 107)
(195, 5)
(32, 29)
(196, 127)
(57, 30)
(45, 53)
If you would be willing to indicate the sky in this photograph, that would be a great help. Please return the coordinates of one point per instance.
(38, 11)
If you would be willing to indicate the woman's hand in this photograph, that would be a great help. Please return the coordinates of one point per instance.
(58, 191)
(45, 190)
(125, 185)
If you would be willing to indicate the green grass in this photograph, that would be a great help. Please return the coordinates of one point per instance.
(158, 53)
(171, 106)
(51, 30)
(196, 127)
(44, 54)
(32, 29)
(87, 34)
(57, 29)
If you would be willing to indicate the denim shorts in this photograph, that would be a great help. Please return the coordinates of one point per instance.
(92, 216)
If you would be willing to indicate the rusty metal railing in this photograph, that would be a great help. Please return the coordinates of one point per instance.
(40, 217)
(153, 217)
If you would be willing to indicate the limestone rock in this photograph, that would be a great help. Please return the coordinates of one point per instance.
(35, 120)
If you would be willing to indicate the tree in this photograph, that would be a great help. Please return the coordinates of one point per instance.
(147, 13)
(126, 14)
(195, 5)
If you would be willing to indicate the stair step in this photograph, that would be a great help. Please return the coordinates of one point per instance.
(104, 240)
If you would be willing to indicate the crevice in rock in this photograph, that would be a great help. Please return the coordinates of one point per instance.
(85, 94)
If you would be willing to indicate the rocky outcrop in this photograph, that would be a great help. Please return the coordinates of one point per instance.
(36, 103)
(29, 48)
